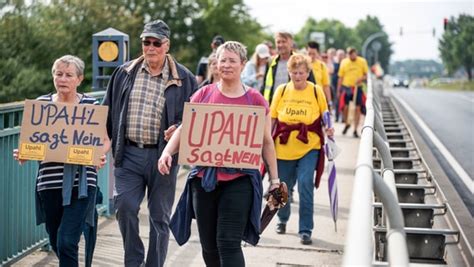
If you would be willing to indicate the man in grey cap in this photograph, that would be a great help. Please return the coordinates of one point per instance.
(146, 98)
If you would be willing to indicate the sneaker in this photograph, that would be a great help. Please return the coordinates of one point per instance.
(345, 129)
(281, 228)
(356, 135)
(305, 239)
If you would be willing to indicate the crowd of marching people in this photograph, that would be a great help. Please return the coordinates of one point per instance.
(341, 73)
(301, 90)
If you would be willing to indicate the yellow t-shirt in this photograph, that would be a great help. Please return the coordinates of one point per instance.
(296, 106)
(321, 73)
(352, 70)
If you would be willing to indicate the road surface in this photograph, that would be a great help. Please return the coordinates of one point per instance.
(449, 115)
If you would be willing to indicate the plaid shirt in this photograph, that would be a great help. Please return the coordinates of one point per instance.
(146, 105)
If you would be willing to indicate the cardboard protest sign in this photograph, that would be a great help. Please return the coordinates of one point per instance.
(59, 132)
(222, 135)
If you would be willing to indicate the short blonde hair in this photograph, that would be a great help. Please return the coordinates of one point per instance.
(298, 60)
(234, 47)
(285, 35)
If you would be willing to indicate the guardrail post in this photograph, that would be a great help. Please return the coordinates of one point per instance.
(387, 161)
(387, 170)
(396, 238)
(380, 128)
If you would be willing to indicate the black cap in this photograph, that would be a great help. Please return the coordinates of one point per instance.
(156, 29)
(218, 40)
(314, 45)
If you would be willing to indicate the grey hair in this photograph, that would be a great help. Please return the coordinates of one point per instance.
(69, 59)
(235, 47)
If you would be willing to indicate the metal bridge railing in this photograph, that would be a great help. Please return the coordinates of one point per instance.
(359, 248)
(18, 231)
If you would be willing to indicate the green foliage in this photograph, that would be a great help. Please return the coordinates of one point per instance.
(26, 81)
(33, 35)
(457, 45)
(363, 30)
(453, 86)
(337, 35)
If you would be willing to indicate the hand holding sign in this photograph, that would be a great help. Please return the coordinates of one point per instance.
(16, 157)
(103, 161)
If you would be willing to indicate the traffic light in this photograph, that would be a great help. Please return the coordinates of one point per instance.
(445, 23)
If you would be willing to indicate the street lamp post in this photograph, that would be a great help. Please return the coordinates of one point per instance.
(369, 40)
(376, 46)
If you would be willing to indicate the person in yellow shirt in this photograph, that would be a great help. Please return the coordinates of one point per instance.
(296, 111)
(320, 70)
(352, 73)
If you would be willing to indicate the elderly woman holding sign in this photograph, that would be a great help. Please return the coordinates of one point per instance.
(226, 202)
(66, 193)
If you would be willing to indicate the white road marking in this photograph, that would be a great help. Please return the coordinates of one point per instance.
(464, 97)
(465, 178)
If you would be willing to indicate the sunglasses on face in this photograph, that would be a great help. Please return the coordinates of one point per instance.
(154, 43)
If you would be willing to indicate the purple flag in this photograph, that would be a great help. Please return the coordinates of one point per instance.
(331, 153)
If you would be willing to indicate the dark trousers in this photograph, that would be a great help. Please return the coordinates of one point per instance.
(221, 217)
(137, 175)
(335, 100)
(350, 95)
(65, 224)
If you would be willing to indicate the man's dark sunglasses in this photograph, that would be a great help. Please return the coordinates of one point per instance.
(155, 43)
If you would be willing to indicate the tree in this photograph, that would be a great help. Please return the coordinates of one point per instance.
(457, 46)
(231, 19)
(336, 34)
(339, 36)
(33, 33)
(363, 30)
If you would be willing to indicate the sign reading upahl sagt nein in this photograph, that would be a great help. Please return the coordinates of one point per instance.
(59, 132)
(222, 135)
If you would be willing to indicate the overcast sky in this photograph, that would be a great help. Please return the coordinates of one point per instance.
(417, 18)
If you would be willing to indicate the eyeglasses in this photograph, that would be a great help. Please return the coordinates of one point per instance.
(155, 43)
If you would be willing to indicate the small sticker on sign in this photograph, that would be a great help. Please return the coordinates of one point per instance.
(32, 151)
(80, 155)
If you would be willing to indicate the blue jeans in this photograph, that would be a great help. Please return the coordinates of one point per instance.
(65, 224)
(301, 171)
